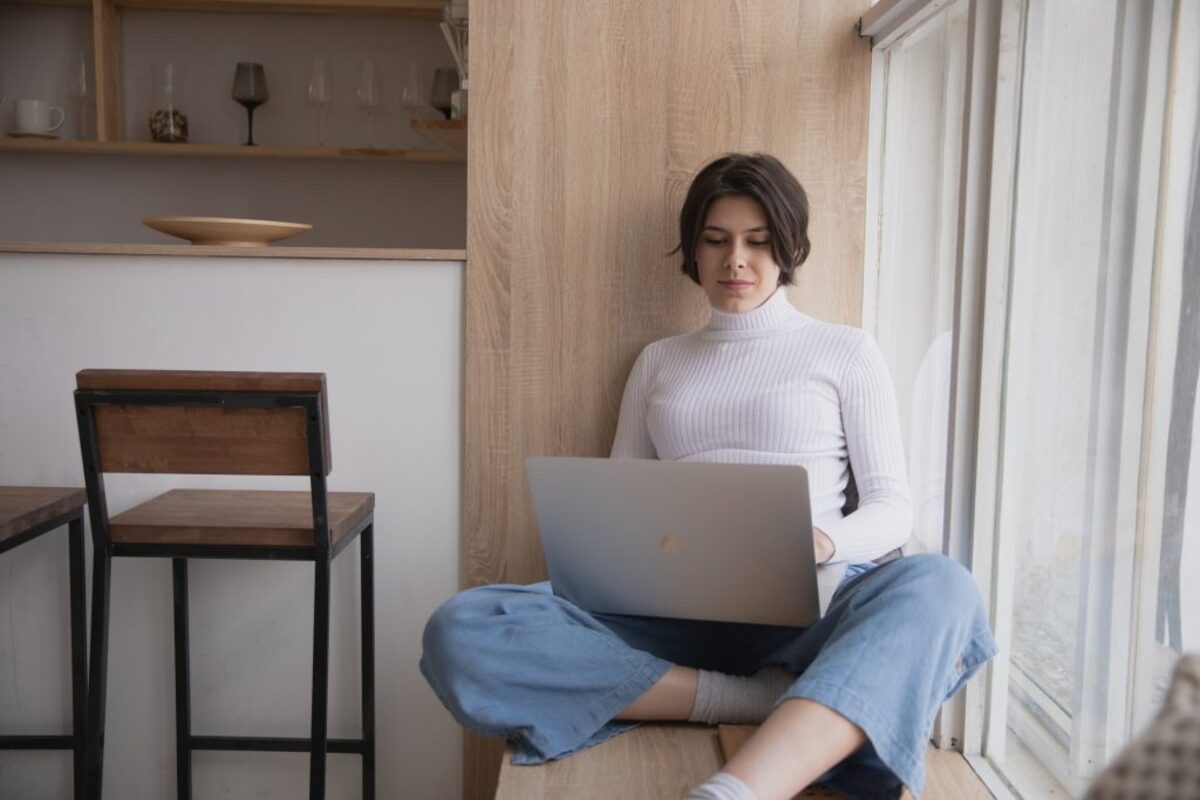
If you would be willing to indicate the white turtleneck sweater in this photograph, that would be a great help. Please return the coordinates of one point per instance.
(774, 386)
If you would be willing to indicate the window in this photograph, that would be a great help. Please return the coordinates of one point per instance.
(1035, 235)
(918, 237)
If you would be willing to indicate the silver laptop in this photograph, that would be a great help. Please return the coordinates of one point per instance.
(686, 540)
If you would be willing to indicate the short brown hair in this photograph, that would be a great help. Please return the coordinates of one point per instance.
(763, 178)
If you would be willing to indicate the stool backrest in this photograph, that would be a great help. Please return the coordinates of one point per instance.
(205, 423)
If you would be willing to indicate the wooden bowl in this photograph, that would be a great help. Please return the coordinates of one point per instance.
(226, 232)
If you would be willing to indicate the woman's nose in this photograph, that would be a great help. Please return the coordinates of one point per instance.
(736, 258)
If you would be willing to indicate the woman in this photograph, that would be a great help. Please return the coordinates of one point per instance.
(849, 701)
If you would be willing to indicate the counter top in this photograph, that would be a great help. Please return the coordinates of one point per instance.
(344, 253)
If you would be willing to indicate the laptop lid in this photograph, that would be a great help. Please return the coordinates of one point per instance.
(686, 540)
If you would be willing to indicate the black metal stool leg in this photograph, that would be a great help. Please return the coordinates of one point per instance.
(367, 589)
(320, 675)
(97, 674)
(78, 651)
(183, 683)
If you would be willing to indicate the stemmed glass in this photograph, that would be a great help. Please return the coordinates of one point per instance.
(320, 94)
(411, 96)
(445, 81)
(250, 89)
(79, 88)
(368, 97)
(415, 95)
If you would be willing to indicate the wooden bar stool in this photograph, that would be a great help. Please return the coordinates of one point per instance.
(26, 513)
(227, 423)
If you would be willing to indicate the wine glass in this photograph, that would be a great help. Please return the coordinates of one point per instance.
(445, 81)
(250, 89)
(320, 94)
(79, 88)
(414, 97)
(411, 96)
(368, 97)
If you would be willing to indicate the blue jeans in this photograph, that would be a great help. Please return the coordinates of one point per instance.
(896, 641)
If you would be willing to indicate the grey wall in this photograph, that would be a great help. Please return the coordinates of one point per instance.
(103, 199)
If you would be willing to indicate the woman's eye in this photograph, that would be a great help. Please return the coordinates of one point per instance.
(713, 241)
(761, 244)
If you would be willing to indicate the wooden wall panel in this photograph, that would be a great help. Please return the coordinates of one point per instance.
(588, 121)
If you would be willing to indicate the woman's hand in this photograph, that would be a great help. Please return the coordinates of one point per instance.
(822, 546)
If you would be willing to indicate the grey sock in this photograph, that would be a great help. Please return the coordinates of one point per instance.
(722, 786)
(738, 700)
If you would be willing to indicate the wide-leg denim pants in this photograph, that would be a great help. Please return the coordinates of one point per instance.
(896, 641)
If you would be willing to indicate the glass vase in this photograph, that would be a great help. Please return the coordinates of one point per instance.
(168, 123)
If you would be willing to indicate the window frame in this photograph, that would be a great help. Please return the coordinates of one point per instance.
(1122, 569)
(1180, 130)
(969, 293)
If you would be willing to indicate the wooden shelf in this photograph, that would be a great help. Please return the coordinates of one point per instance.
(428, 10)
(449, 134)
(273, 251)
(78, 3)
(72, 146)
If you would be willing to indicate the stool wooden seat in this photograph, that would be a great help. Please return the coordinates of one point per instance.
(223, 423)
(217, 517)
(27, 512)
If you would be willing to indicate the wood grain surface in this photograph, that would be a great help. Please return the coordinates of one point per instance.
(205, 440)
(25, 507)
(663, 762)
(207, 251)
(654, 762)
(428, 10)
(588, 120)
(199, 380)
(107, 40)
(199, 440)
(948, 776)
(424, 155)
(448, 134)
(273, 519)
(425, 10)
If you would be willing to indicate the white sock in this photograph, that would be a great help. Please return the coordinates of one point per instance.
(737, 700)
(722, 786)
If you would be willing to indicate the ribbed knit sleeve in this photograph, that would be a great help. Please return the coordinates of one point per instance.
(633, 438)
(871, 421)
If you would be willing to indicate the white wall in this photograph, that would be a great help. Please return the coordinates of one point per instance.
(388, 334)
(103, 198)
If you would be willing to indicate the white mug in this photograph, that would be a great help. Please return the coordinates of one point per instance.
(33, 116)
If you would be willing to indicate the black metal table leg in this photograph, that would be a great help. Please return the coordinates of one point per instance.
(183, 683)
(367, 590)
(76, 740)
(97, 674)
(78, 651)
(320, 675)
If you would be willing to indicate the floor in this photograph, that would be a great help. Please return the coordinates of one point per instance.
(662, 762)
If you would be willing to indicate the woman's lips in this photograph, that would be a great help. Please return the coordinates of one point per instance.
(736, 285)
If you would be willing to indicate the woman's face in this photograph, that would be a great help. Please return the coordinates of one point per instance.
(734, 257)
